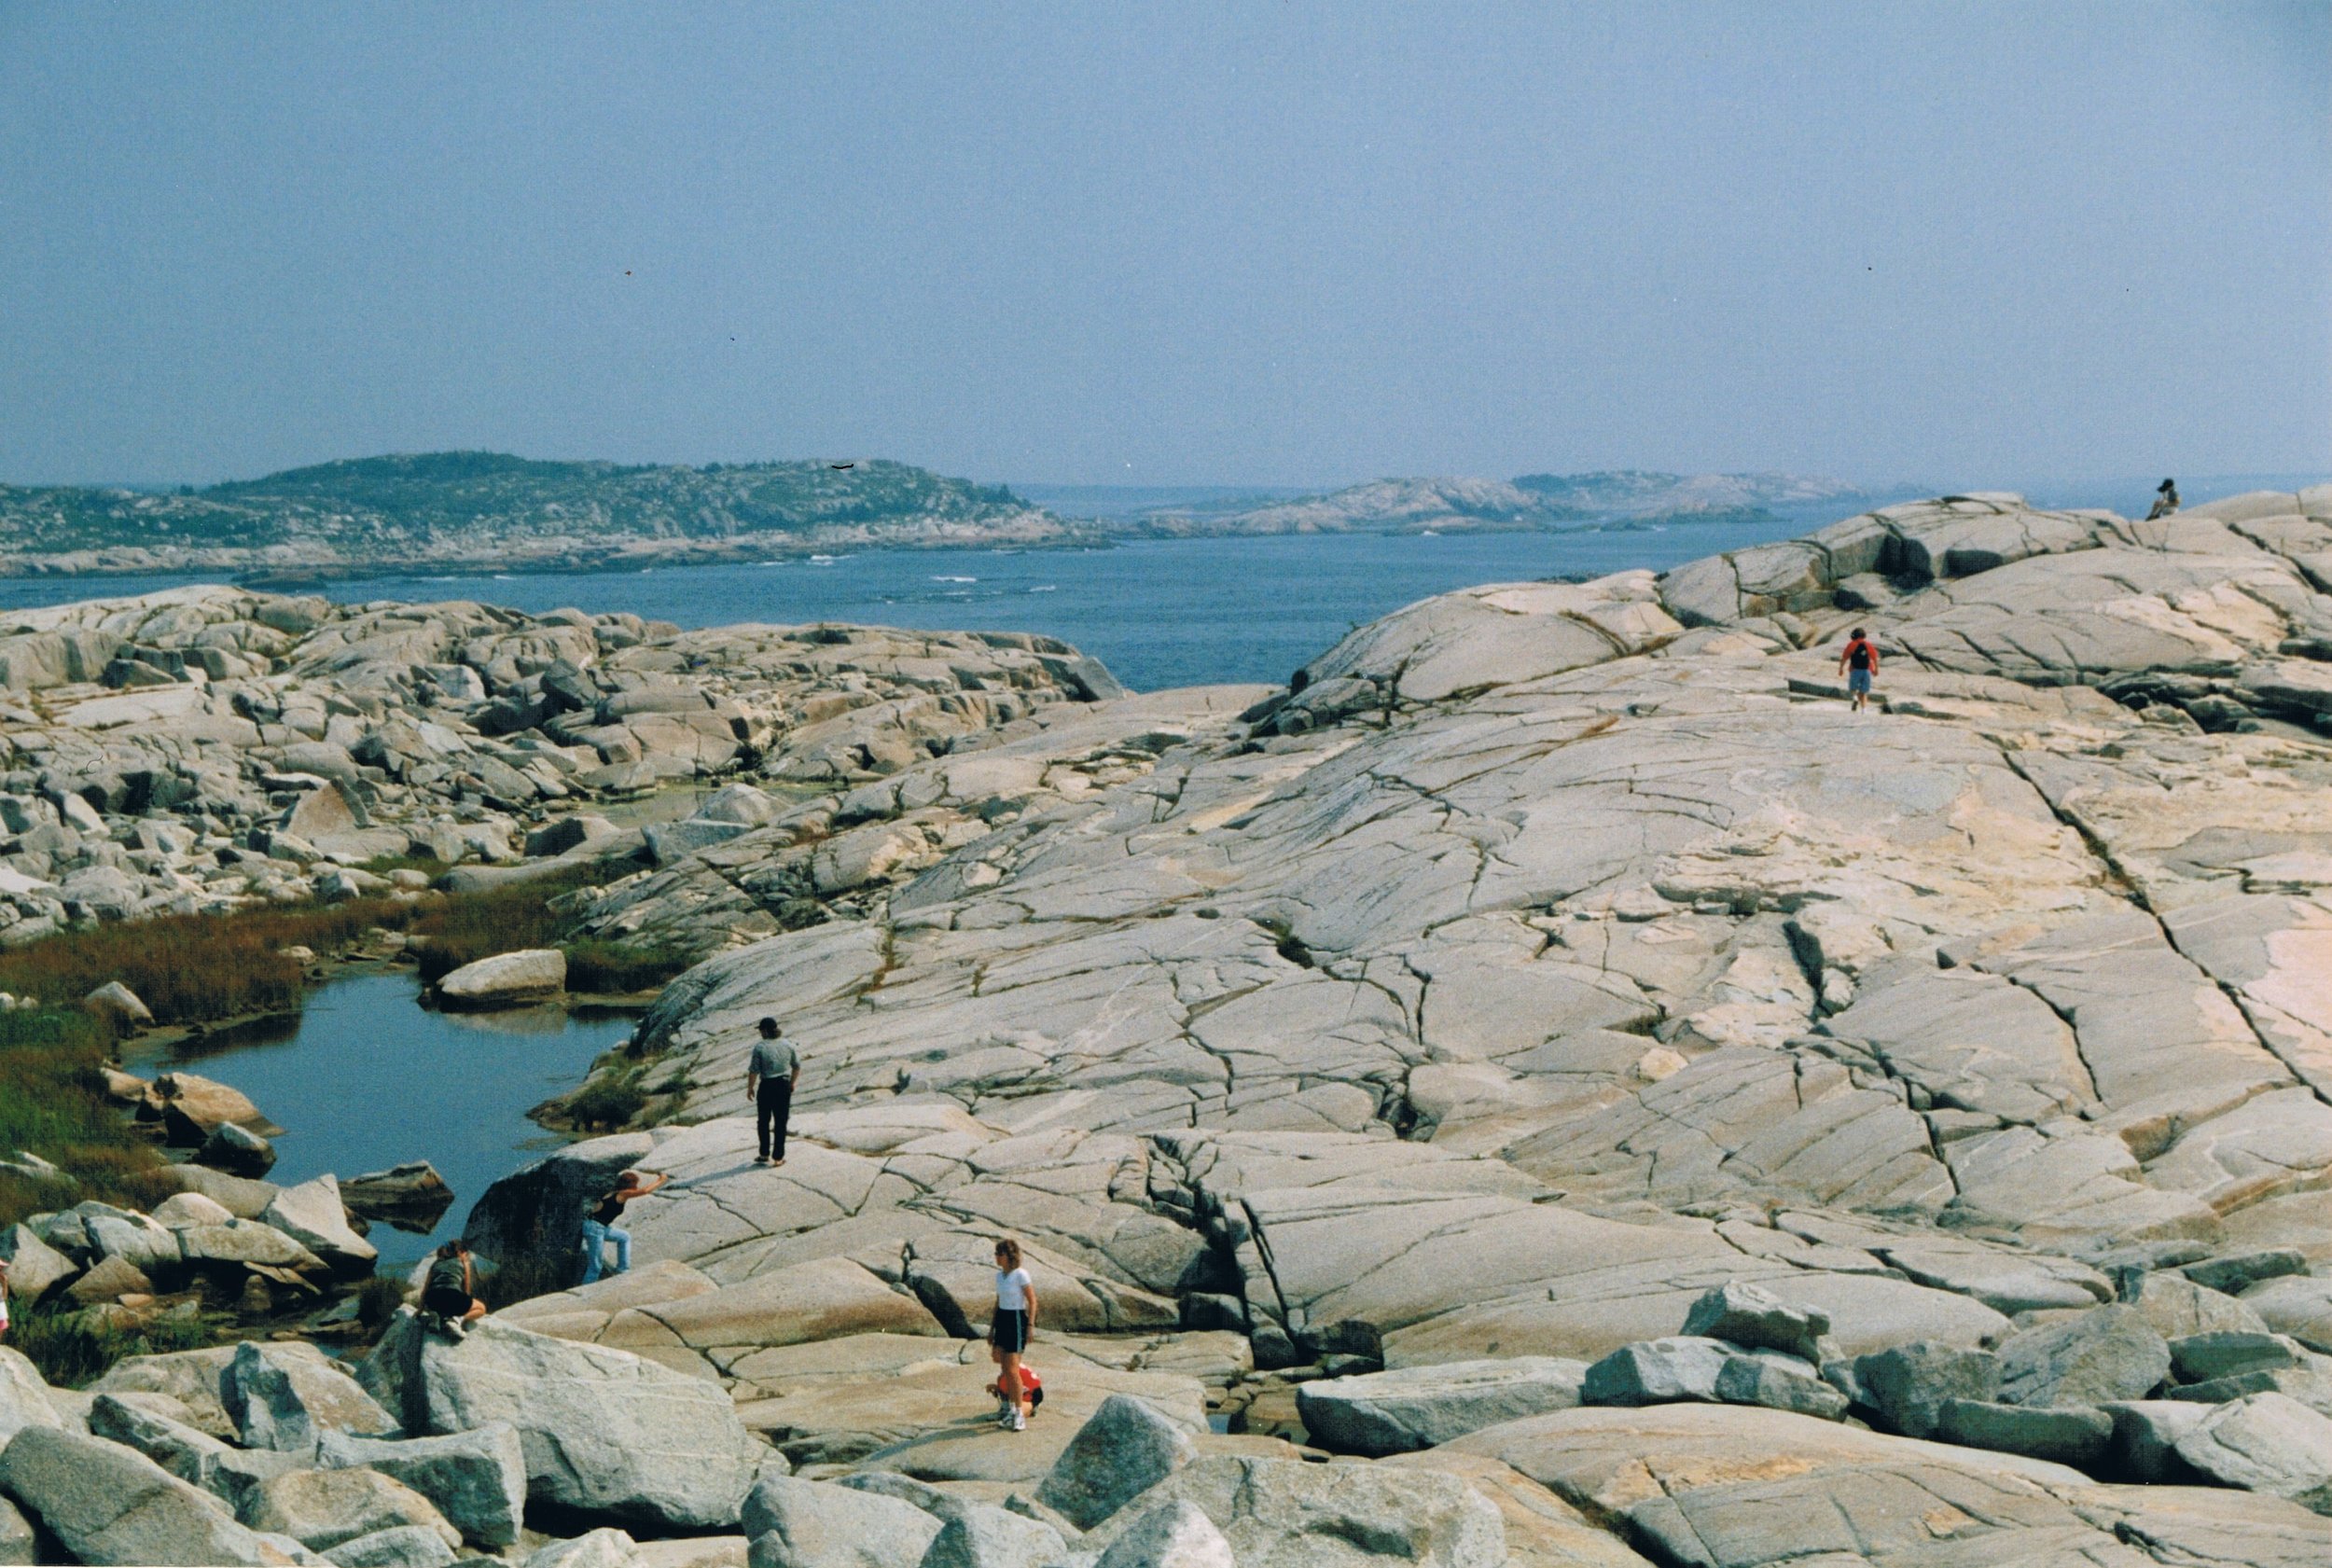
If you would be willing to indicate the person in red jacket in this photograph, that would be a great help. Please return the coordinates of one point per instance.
(1858, 662)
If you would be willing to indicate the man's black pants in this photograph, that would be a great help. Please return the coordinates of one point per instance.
(769, 1110)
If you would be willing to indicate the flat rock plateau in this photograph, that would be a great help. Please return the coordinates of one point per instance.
(1553, 1084)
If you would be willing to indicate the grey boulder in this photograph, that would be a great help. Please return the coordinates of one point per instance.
(311, 1214)
(1743, 1314)
(795, 1523)
(107, 1504)
(2065, 1434)
(1906, 1385)
(324, 1509)
(982, 1536)
(1123, 1450)
(2267, 1442)
(401, 1545)
(2102, 1355)
(1412, 1407)
(1174, 1534)
(1274, 1511)
(23, 1395)
(1689, 1368)
(601, 1548)
(605, 1433)
(287, 1403)
(476, 1479)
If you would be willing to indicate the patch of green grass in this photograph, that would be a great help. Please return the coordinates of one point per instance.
(52, 1104)
(475, 925)
(195, 968)
(71, 1347)
(376, 1301)
(428, 864)
(594, 964)
(609, 1100)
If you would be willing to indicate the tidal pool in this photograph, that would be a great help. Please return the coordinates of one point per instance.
(366, 1078)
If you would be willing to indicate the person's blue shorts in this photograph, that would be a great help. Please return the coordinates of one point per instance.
(1858, 682)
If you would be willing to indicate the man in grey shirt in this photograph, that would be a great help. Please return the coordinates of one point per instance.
(771, 1074)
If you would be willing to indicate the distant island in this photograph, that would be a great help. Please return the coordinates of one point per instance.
(489, 511)
(477, 511)
(1610, 498)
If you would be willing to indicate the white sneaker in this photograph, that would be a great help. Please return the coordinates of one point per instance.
(1019, 1422)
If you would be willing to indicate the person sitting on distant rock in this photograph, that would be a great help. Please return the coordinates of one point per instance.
(600, 1227)
(1009, 1331)
(449, 1297)
(770, 1073)
(2165, 500)
(1858, 662)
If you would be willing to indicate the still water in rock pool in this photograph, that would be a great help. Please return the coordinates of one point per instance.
(366, 1079)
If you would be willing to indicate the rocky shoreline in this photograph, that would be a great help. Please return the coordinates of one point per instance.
(1547, 1086)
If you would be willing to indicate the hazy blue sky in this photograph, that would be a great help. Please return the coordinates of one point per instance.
(1254, 242)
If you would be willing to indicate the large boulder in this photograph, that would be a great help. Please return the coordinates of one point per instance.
(605, 1433)
(1174, 1534)
(509, 979)
(537, 1210)
(311, 1214)
(1907, 1386)
(35, 1266)
(1285, 1511)
(23, 1395)
(2109, 1354)
(1379, 1413)
(1122, 1451)
(192, 1106)
(400, 1545)
(476, 1479)
(237, 1150)
(287, 1403)
(810, 1524)
(411, 1196)
(1743, 1314)
(107, 1504)
(2266, 1442)
(977, 1535)
(325, 1508)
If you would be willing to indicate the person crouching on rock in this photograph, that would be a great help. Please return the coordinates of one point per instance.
(600, 1227)
(1009, 1332)
(1032, 1392)
(2165, 500)
(449, 1296)
(1858, 662)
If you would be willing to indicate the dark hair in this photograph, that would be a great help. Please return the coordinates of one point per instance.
(768, 1028)
(1010, 1250)
(1857, 631)
(2167, 484)
(454, 1248)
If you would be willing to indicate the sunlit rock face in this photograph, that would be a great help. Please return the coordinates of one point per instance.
(1546, 957)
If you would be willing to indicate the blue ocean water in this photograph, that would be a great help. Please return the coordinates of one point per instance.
(345, 1080)
(1160, 613)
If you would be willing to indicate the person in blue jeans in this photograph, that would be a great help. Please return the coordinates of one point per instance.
(600, 1227)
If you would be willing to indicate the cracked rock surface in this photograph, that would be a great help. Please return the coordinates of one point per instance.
(1549, 956)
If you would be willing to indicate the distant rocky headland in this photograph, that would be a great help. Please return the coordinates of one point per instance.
(473, 511)
(487, 511)
(1607, 498)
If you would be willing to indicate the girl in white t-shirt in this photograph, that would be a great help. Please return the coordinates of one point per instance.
(1009, 1331)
